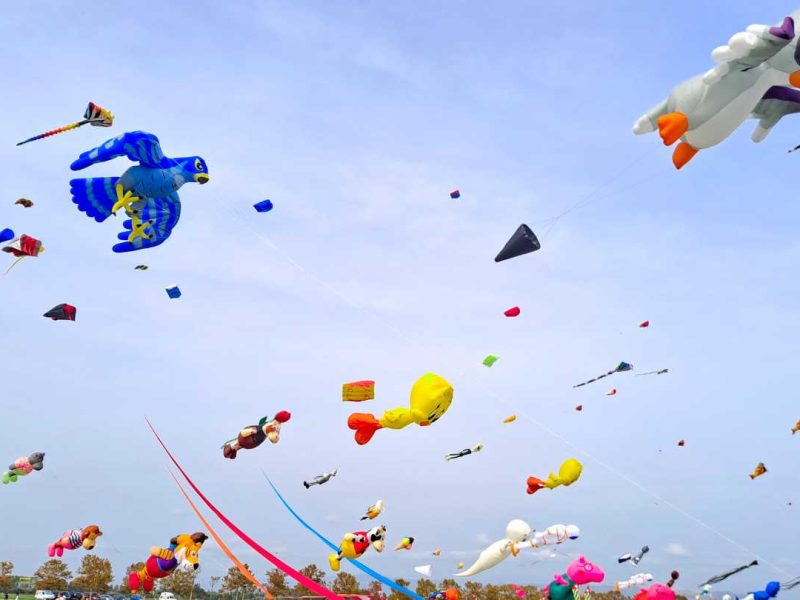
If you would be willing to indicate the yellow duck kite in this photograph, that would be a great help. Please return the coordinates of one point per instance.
(568, 474)
(431, 396)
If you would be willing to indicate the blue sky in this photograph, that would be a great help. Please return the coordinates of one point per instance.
(357, 119)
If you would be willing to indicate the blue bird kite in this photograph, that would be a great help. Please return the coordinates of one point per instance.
(148, 192)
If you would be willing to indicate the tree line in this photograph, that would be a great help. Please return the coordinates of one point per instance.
(95, 575)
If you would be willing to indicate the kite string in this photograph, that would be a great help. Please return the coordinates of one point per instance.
(484, 389)
(590, 197)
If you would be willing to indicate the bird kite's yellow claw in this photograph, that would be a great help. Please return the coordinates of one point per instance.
(124, 200)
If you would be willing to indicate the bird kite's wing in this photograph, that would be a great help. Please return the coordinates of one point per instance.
(163, 213)
(138, 146)
(778, 102)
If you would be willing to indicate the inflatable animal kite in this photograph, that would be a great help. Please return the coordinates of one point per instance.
(756, 77)
(148, 192)
(772, 589)
(373, 511)
(448, 594)
(431, 396)
(657, 591)
(579, 572)
(24, 465)
(517, 531)
(75, 538)
(254, 435)
(796, 428)
(183, 551)
(355, 544)
(568, 473)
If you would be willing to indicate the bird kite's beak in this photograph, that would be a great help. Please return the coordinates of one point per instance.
(201, 178)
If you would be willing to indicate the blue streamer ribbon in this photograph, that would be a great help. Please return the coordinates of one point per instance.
(374, 574)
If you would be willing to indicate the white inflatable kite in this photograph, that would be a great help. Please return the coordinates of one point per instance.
(517, 531)
(757, 74)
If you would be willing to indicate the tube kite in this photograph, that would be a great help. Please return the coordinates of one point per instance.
(358, 564)
(431, 396)
(306, 582)
(758, 471)
(253, 436)
(568, 473)
(222, 546)
(73, 539)
(95, 115)
(24, 465)
(620, 368)
(516, 531)
(726, 574)
(358, 391)
(756, 77)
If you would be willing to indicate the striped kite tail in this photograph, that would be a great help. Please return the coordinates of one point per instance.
(54, 132)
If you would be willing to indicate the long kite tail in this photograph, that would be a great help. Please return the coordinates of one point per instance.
(237, 563)
(308, 583)
(54, 132)
(374, 574)
(595, 379)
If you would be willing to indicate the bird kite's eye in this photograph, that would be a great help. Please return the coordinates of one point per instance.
(198, 165)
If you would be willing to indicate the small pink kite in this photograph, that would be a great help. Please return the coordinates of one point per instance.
(512, 312)
(644, 324)
(612, 392)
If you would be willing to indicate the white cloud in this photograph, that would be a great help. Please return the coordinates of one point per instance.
(676, 549)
